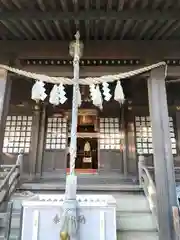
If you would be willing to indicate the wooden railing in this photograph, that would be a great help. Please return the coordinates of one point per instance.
(147, 183)
(11, 179)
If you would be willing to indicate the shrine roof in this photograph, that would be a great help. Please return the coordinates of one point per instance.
(95, 19)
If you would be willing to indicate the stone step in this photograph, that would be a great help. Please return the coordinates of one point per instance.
(134, 219)
(133, 235)
(125, 201)
(139, 235)
(81, 187)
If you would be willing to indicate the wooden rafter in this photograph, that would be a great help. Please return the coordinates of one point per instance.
(98, 4)
(30, 29)
(120, 4)
(163, 30)
(154, 29)
(133, 3)
(110, 3)
(41, 5)
(65, 9)
(172, 30)
(157, 3)
(20, 28)
(16, 3)
(147, 26)
(48, 28)
(11, 29)
(42, 33)
(106, 28)
(126, 28)
(115, 29)
(145, 3)
(59, 30)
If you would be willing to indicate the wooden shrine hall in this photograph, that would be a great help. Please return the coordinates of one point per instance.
(118, 36)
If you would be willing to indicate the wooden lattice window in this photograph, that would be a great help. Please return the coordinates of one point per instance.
(144, 135)
(56, 135)
(109, 133)
(17, 135)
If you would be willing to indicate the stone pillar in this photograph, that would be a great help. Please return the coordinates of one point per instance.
(5, 95)
(34, 140)
(163, 158)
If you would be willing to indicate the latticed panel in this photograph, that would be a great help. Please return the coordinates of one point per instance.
(17, 135)
(144, 135)
(56, 134)
(109, 133)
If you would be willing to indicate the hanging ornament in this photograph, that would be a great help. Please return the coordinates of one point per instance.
(98, 97)
(106, 91)
(79, 97)
(38, 91)
(57, 95)
(62, 94)
(54, 96)
(119, 94)
(92, 89)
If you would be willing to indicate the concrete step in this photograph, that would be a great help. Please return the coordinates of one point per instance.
(140, 235)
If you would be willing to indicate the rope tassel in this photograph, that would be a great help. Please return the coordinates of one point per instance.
(38, 91)
(119, 94)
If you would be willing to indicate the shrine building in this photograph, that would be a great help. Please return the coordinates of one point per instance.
(35, 37)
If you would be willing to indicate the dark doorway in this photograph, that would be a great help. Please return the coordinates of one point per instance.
(86, 159)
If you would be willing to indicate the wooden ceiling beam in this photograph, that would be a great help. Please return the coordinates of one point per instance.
(132, 14)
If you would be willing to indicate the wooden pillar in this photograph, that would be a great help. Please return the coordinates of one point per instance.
(5, 95)
(163, 159)
(132, 167)
(34, 140)
(41, 142)
(123, 140)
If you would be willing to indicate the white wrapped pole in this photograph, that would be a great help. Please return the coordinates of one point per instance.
(69, 223)
(119, 94)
